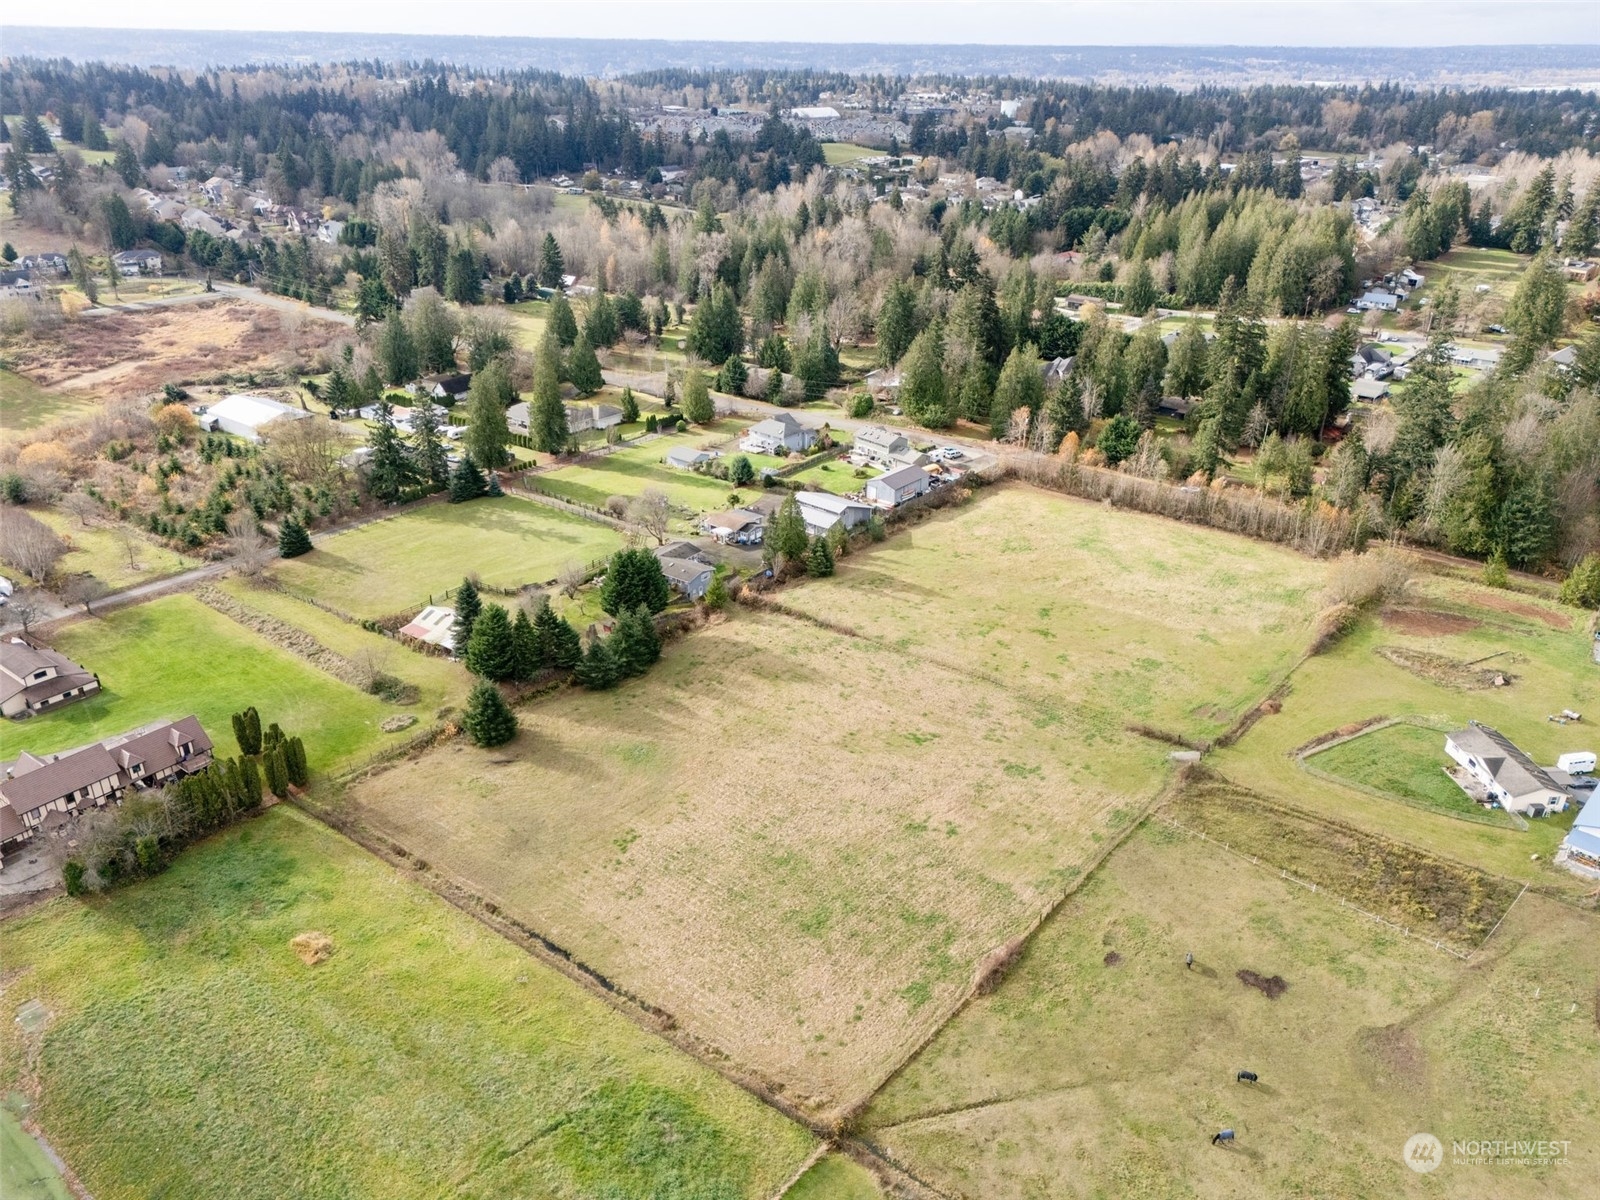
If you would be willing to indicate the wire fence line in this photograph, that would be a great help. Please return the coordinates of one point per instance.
(1319, 889)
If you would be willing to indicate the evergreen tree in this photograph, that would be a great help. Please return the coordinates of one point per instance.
(430, 459)
(1139, 297)
(733, 375)
(634, 577)
(922, 382)
(396, 351)
(463, 277)
(525, 643)
(1186, 364)
(562, 323)
(598, 668)
(819, 561)
(717, 591)
(775, 391)
(583, 368)
(600, 322)
(558, 642)
(1021, 385)
(247, 731)
(740, 471)
(293, 540)
(697, 406)
(774, 353)
(250, 783)
(8, 252)
(467, 606)
(389, 467)
(817, 364)
(634, 644)
(294, 753)
(549, 415)
(786, 535)
(94, 134)
(467, 482)
(487, 432)
(491, 650)
(277, 771)
(716, 329)
(488, 719)
(896, 322)
(629, 406)
(1119, 439)
(552, 266)
(126, 164)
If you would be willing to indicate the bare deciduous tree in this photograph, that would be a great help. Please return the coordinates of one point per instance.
(28, 544)
(308, 449)
(84, 590)
(81, 505)
(651, 511)
(571, 578)
(23, 610)
(130, 542)
(251, 549)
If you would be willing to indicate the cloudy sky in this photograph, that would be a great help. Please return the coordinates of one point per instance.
(1406, 23)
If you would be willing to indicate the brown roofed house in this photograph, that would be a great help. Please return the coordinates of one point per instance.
(34, 678)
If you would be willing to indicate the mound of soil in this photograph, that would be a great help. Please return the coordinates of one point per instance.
(1436, 668)
(1271, 988)
(1426, 622)
(396, 723)
(312, 947)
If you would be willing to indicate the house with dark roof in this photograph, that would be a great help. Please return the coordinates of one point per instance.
(39, 792)
(36, 678)
(1508, 776)
(687, 576)
(780, 435)
(737, 526)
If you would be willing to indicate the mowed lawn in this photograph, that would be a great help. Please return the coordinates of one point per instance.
(395, 565)
(1402, 760)
(1101, 1066)
(632, 470)
(1135, 617)
(797, 843)
(99, 550)
(1538, 644)
(174, 656)
(190, 1052)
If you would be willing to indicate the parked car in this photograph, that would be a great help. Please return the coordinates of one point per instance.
(951, 453)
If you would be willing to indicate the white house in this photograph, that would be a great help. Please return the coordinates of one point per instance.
(15, 285)
(1509, 776)
(581, 418)
(897, 486)
(687, 458)
(138, 262)
(434, 625)
(246, 416)
(1382, 301)
(780, 434)
(823, 510)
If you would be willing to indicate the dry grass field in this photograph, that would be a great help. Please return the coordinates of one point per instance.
(1102, 1067)
(1130, 616)
(801, 842)
(797, 843)
(131, 353)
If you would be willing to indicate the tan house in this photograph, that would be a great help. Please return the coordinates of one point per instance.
(36, 787)
(36, 678)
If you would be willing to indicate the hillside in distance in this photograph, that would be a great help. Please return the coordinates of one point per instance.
(1183, 66)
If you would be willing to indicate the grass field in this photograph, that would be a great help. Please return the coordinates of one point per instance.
(835, 1178)
(1101, 1067)
(191, 1053)
(174, 656)
(630, 471)
(801, 863)
(25, 406)
(837, 153)
(394, 565)
(1536, 643)
(1072, 604)
(835, 476)
(1406, 760)
(26, 1173)
(98, 550)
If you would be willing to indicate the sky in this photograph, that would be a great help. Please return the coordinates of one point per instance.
(1404, 23)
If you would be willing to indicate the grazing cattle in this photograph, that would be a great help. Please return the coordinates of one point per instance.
(1225, 1135)
(1248, 1077)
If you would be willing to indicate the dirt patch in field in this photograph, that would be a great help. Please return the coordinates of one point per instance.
(135, 352)
(1269, 986)
(1436, 668)
(312, 947)
(1392, 1056)
(1520, 608)
(1112, 958)
(1425, 622)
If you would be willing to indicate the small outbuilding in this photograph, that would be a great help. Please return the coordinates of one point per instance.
(687, 458)
(823, 510)
(434, 626)
(897, 486)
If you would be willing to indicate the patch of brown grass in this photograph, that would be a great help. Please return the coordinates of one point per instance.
(1269, 986)
(312, 947)
(1427, 622)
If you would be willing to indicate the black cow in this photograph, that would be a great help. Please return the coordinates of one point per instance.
(1248, 1077)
